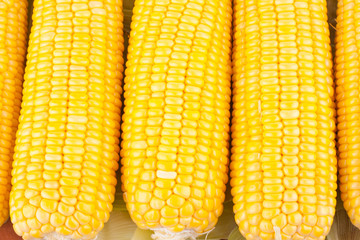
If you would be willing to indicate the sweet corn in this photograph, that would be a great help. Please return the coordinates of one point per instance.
(67, 149)
(348, 102)
(13, 36)
(176, 121)
(283, 169)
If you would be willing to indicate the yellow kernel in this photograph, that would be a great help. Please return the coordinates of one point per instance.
(168, 212)
(175, 201)
(142, 196)
(49, 206)
(42, 216)
(57, 219)
(152, 216)
(182, 190)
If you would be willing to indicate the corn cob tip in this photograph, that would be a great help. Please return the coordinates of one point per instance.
(57, 236)
(165, 234)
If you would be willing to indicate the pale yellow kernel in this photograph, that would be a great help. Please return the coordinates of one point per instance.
(295, 218)
(175, 201)
(152, 216)
(169, 222)
(279, 221)
(183, 191)
(85, 230)
(82, 218)
(166, 174)
(64, 230)
(33, 223)
(57, 219)
(42, 216)
(29, 211)
(71, 223)
(168, 212)
(289, 229)
(49, 206)
(156, 203)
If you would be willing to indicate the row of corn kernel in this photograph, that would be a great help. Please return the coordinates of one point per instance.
(175, 125)
(67, 149)
(283, 162)
(347, 98)
(280, 125)
(13, 36)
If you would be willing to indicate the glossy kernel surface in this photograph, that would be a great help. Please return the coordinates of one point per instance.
(67, 145)
(177, 108)
(283, 164)
(13, 42)
(347, 72)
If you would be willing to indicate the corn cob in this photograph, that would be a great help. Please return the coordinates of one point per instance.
(348, 102)
(13, 35)
(176, 117)
(67, 144)
(283, 169)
